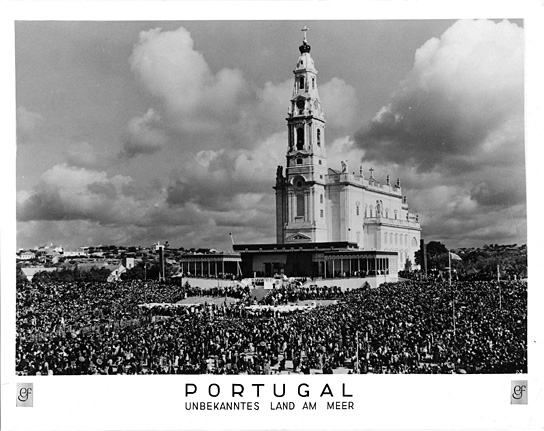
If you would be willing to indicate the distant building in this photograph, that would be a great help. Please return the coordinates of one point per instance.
(26, 255)
(80, 252)
(128, 262)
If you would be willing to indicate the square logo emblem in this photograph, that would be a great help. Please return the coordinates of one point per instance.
(518, 392)
(25, 394)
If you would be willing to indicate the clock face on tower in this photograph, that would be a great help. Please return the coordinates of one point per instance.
(301, 103)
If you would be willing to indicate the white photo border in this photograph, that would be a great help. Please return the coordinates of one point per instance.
(381, 401)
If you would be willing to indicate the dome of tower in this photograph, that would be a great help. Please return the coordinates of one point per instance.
(305, 62)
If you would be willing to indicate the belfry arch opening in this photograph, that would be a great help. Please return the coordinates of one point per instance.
(300, 138)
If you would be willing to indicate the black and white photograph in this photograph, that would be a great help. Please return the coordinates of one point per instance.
(292, 206)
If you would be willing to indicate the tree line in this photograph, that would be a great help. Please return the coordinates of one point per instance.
(511, 260)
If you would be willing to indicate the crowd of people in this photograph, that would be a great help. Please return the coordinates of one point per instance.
(292, 292)
(404, 327)
(237, 291)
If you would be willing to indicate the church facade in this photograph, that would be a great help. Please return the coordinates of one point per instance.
(330, 222)
(316, 203)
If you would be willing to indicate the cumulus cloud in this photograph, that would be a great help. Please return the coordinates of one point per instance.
(340, 104)
(215, 180)
(206, 196)
(345, 149)
(463, 100)
(27, 122)
(455, 130)
(220, 109)
(83, 155)
(171, 69)
(145, 135)
(71, 193)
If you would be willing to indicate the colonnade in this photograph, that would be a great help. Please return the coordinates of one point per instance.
(369, 265)
(209, 266)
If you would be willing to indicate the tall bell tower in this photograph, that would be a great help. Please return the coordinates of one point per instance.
(301, 214)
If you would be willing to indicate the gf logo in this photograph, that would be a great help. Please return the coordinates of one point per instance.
(518, 392)
(25, 394)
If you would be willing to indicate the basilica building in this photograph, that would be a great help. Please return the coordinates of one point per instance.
(330, 220)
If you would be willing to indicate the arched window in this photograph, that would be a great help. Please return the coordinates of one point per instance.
(391, 238)
(313, 83)
(396, 238)
(395, 214)
(320, 199)
(321, 213)
(300, 205)
(300, 138)
(301, 83)
(358, 237)
(385, 238)
(357, 209)
(318, 137)
(366, 211)
(406, 239)
(414, 242)
(371, 208)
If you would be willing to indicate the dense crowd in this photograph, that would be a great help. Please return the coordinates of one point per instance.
(405, 327)
(289, 293)
(233, 291)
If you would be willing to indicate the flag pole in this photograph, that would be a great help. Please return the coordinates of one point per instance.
(452, 294)
(499, 284)
(449, 264)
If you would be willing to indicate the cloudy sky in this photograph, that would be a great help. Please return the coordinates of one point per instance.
(133, 132)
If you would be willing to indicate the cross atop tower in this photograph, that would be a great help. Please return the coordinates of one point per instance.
(305, 29)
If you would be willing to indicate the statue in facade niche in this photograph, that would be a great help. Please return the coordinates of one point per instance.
(344, 166)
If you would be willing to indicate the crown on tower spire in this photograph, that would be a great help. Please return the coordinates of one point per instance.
(304, 47)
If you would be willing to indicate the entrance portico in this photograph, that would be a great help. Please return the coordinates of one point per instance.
(324, 259)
